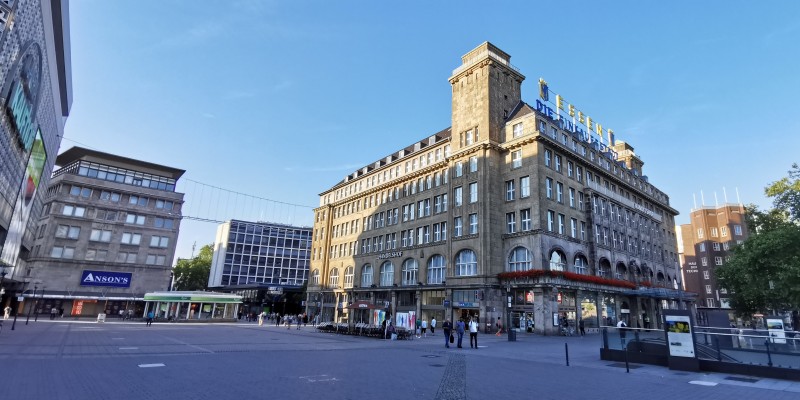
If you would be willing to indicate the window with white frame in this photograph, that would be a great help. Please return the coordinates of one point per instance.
(466, 263)
(708, 289)
(580, 265)
(559, 192)
(126, 257)
(524, 187)
(387, 274)
(159, 241)
(517, 130)
(459, 169)
(551, 220)
(68, 232)
(100, 235)
(458, 226)
(723, 230)
(573, 227)
(520, 259)
(706, 275)
(473, 164)
(410, 270)
(548, 185)
(436, 269)
(73, 211)
(366, 275)
(525, 219)
(699, 233)
(716, 246)
(131, 238)
(135, 219)
(473, 224)
(333, 278)
(315, 278)
(516, 159)
(558, 163)
(64, 252)
(717, 260)
(511, 222)
(510, 190)
(737, 230)
(561, 223)
(473, 192)
(710, 302)
(458, 196)
(704, 261)
(713, 232)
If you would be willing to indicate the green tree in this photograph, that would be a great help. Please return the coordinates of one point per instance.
(192, 273)
(764, 272)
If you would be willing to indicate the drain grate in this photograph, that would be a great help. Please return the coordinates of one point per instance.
(437, 365)
(738, 379)
(431, 356)
(622, 365)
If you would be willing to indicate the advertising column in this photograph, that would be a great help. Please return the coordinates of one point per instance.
(680, 340)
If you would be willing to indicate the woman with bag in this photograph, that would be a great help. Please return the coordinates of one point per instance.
(448, 335)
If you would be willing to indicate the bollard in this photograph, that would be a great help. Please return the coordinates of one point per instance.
(769, 356)
(566, 350)
(627, 367)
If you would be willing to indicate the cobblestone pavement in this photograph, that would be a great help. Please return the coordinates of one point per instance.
(82, 360)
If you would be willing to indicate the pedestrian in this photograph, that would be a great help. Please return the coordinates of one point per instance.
(53, 313)
(288, 322)
(499, 326)
(417, 327)
(473, 332)
(424, 328)
(447, 327)
(299, 320)
(7, 312)
(623, 330)
(150, 316)
(581, 327)
(460, 331)
(261, 318)
(392, 333)
(277, 319)
(61, 312)
(239, 315)
(433, 325)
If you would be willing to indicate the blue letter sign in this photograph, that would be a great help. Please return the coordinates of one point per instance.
(105, 278)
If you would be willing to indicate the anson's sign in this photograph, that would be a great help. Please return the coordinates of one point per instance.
(105, 278)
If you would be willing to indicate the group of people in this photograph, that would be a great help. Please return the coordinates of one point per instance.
(285, 320)
(460, 328)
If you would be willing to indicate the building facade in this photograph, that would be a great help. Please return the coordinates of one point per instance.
(107, 234)
(705, 245)
(510, 213)
(36, 82)
(265, 263)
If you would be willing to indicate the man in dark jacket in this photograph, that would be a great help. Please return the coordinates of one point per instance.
(447, 327)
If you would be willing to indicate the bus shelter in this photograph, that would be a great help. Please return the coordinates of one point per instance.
(192, 306)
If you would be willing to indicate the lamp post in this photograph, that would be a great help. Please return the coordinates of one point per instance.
(36, 301)
(508, 310)
(16, 312)
(36, 314)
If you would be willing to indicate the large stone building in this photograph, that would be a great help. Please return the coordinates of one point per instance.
(265, 263)
(107, 234)
(513, 212)
(36, 82)
(706, 244)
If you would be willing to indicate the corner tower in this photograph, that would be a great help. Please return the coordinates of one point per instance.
(486, 88)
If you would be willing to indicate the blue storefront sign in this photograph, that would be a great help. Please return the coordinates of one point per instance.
(105, 278)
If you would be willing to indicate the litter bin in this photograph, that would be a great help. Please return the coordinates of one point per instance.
(101, 317)
(512, 335)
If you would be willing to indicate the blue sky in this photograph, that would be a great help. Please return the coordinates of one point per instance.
(282, 99)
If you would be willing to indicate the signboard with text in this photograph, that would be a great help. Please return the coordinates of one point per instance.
(106, 278)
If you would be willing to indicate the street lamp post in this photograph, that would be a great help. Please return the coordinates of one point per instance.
(16, 312)
(508, 310)
(36, 314)
(36, 301)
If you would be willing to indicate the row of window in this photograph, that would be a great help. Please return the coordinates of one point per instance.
(115, 197)
(68, 253)
(723, 231)
(103, 235)
(69, 210)
(716, 245)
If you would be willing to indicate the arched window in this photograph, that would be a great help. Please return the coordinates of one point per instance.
(333, 280)
(436, 268)
(366, 275)
(519, 260)
(660, 278)
(315, 277)
(581, 264)
(348, 277)
(387, 274)
(605, 268)
(410, 269)
(466, 263)
(622, 272)
(557, 261)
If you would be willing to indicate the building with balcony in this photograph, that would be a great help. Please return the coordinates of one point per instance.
(36, 82)
(705, 245)
(513, 212)
(107, 234)
(265, 263)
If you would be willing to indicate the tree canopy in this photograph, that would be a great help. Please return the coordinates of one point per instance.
(764, 272)
(192, 273)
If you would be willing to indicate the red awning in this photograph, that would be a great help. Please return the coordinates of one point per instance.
(362, 305)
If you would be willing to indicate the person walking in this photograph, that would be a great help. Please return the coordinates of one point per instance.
(623, 330)
(299, 321)
(447, 327)
(460, 331)
(424, 328)
(53, 313)
(7, 312)
(261, 318)
(473, 332)
(288, 322)
(417, 328)
(499, 325)
(581, 327)
(150, 316)
(433, 326)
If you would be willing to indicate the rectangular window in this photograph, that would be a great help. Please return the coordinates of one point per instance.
(700, 233)
(69, 232)
(561, 223)
(737, 230)
(702, 246)
(473, 224)
(473, 192)
(159, 241)
(559, 192)
(163, 223)
(459, 169)
(570, 169)
(131, 238)
(704, 261)
(580, 201)
(511, 222)
(708, 289)
(558, 163)
(551, 220)
(713, 232)
(572, 198)
(524, 187)
(525, 219)
(135, 219)
(548, 184)
(473, 164)
(706, 275)
(579, 173)
(517, 130)
(100, 235)
(73, 211)
(457, 196)
(583, 230)
(717, 260)
(573, 227)
(509, 190)
(457, 227)
(715, 246)
(62, 252)
(548, 156)
(516, 159)
(709, 301)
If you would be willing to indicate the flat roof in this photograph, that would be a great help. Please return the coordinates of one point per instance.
(80, 153)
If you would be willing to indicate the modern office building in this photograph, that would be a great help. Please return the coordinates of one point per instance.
(36, 81)
(516, 211)
(107, 233)
(265, 263)
(705, 245)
